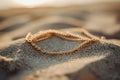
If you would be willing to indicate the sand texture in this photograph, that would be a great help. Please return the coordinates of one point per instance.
(97, 61)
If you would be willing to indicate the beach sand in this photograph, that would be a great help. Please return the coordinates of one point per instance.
(97, 61)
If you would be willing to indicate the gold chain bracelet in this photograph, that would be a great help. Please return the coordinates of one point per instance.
(42, 35)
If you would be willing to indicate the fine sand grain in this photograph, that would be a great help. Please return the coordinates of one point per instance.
(99, 59)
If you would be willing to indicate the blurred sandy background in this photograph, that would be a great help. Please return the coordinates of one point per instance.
(100, 17)
(32, 3)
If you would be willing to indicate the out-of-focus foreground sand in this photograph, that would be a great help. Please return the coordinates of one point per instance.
(99, 61)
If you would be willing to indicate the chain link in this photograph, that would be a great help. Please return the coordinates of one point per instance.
(42, 35)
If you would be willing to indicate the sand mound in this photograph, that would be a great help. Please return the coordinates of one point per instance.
(98, 61)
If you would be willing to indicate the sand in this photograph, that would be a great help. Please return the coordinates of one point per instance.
(102, 58)
(98, 61)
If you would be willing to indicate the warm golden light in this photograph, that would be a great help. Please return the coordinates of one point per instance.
(31, 2)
